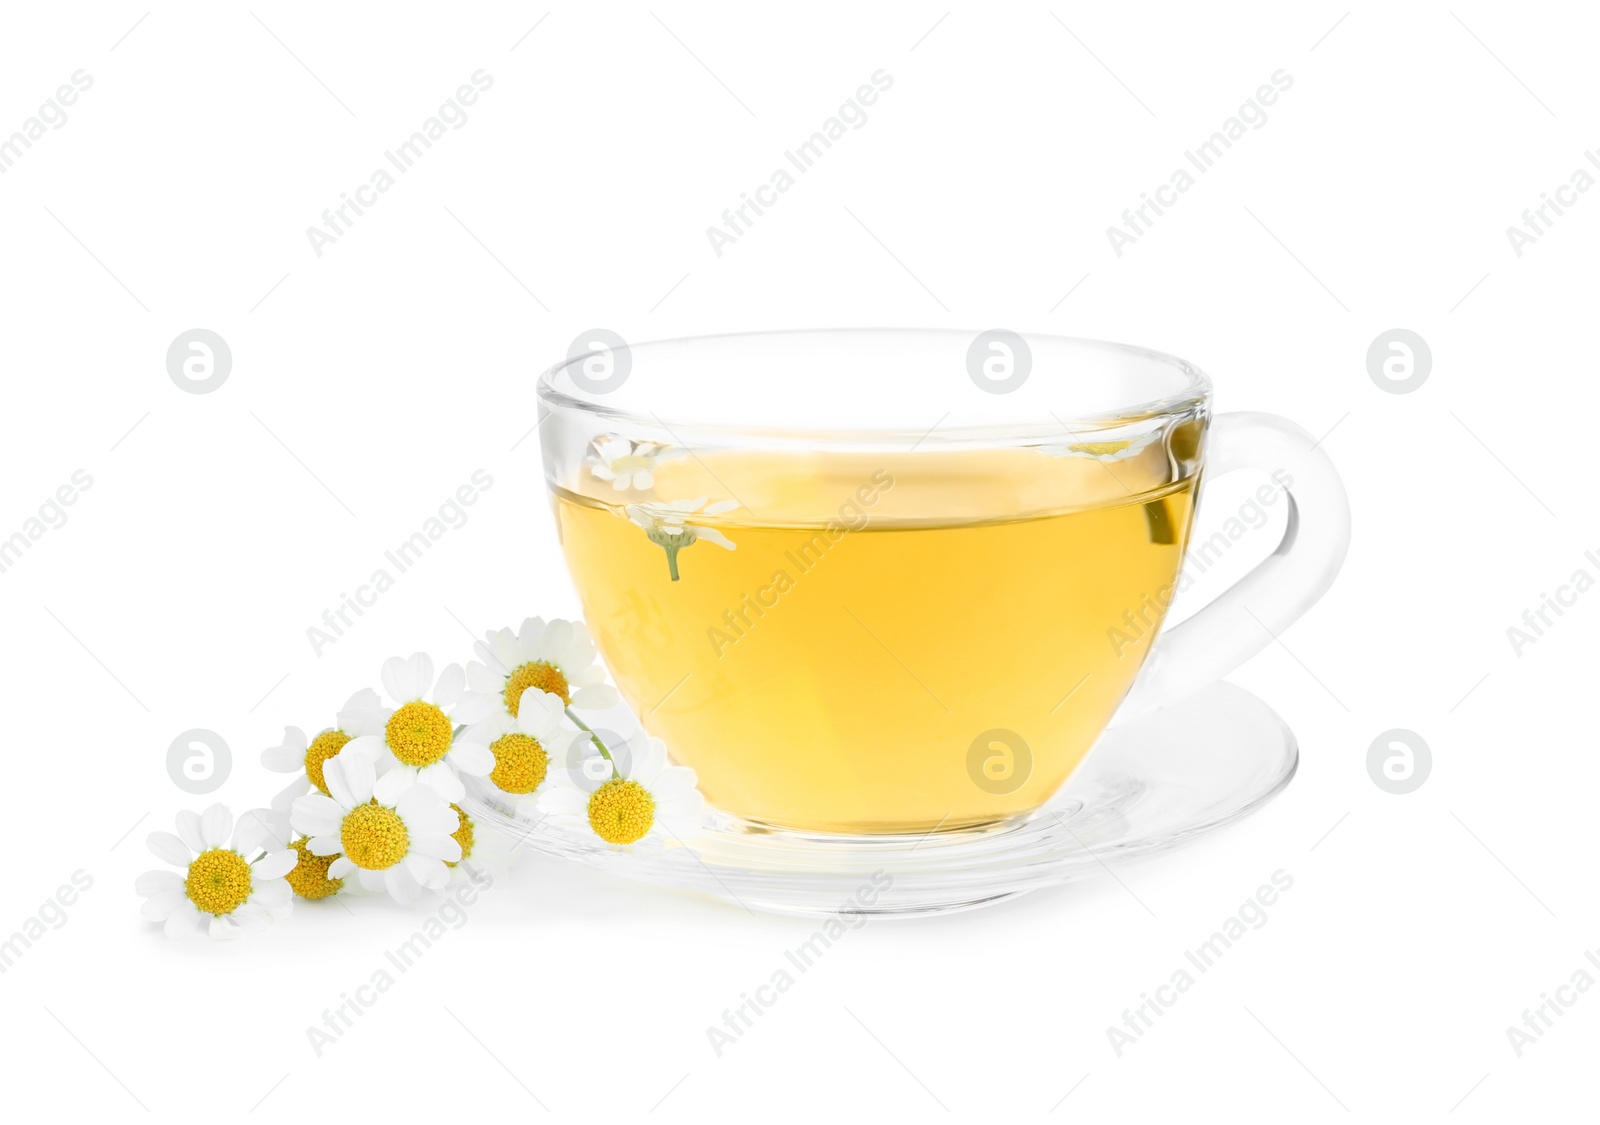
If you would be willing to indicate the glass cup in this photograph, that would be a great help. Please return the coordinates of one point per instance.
(889, 582)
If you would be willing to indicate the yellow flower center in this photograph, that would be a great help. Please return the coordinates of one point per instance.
(632, 464)
(323, 747)
(1099, 448)
(621, 811)
(309, 879)
(520, 763)
(374, 837)
(218, 882)
(462, 835)
(418, 733)
(539, 674)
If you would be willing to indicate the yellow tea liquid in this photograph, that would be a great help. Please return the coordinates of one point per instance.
(886, 649)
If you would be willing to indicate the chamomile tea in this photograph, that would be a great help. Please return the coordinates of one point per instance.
(859, 643)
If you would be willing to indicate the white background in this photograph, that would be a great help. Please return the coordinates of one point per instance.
(370, 382)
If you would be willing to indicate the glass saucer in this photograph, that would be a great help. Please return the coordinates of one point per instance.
(1150, 785)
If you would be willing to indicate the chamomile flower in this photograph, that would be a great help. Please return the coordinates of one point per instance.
(557, 658)
(308, 878)
(485, 853)
(363, 713)
(391, 833)
(680, 524)
(627, 464)
(232, 874)
(648, 800)
(418, 737)
(522, 755)
(1109, 449)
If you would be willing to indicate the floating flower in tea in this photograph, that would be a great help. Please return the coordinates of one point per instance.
(1106, 449)
(628, 465)
(672, 526)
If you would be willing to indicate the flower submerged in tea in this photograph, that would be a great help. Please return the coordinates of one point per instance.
(627, 464)
(1105, 448)
(680, 524)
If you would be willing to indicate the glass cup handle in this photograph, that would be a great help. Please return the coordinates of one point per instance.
(1248, 616)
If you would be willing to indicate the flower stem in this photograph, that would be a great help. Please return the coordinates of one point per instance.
(605, 751)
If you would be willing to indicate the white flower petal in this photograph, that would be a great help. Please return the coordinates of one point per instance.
(583, 677)
(452, 680)
(649, 758)
(350, 778)
(325, 845)
(288, 756)
(189, 830)
(471, 758)
(260, 829)
(419, 670)
(557, 636)
(316, 815)
(169, 848)
(157, 883)
(274, 865)
(482, 678)
(596, 697)
(423, 810)
(401, 884)
(159, 907)
(538, 712)
(271, 893)
(474, 707)
(223, 929)
(396, 681)
(341, 867)
(370, 746)
(392, 785)
(431, 873)
(283, 801)
(216, 826)
(674, 781)
(528, 639)
(442, 779)
(364, 700)
(506, 651)
(183, 921)
(252, 917)
(436, 845)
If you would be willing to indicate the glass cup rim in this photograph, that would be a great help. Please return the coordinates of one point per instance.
(1194, 393)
